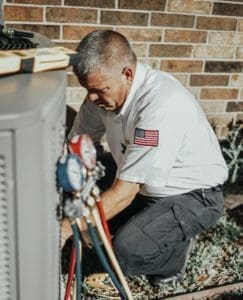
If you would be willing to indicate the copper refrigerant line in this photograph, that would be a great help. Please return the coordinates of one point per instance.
(86, 205)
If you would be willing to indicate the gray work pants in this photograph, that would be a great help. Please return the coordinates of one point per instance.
(152, 235)
(154, 239)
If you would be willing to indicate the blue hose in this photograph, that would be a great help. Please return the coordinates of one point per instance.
(104, 260)
(78, 261)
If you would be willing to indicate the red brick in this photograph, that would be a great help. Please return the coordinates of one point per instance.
(141, 34)
(71, 15)
(121, 18)
(228, 9)
(213, 23)
(50, 31)
(92, 3)
(153, 63)
(220, 119)
(72, 32)
(143, 4)
(185, 36)
(187, 66)
(210, 80)
(226, 38)
(69, 69)
(170, 50)
(20, 13)
(239, 118)
(41, 2)
(224, 131)
(224, 66)
(172, 20)
(219, 93)
(193, 90)
(183, 78)
(239, 53)
(240, 25)
(140, 49)
(234, 106)
(73, 81)
(241, 94)
(236, 80)
(214, 52)
(189, 6)
(212, 106)
(76, 96)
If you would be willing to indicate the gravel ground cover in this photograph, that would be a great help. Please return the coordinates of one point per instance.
(216, 260)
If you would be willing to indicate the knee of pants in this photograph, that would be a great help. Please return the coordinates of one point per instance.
(149, 259)
(124, 250)
(134, 250)
(121, 255)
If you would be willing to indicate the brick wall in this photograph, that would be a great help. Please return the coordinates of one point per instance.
(200, 42)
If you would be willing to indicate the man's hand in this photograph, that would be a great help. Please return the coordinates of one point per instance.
(67, 231)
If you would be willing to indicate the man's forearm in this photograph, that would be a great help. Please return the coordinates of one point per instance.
(114, 200)
(113, 203)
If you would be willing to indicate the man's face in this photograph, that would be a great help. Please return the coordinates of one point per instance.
(108, 91)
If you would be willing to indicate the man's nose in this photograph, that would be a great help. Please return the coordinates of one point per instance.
(93, 97)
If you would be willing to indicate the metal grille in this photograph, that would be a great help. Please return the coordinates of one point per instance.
(4, 243)
(11, 39)
(55, 135)
(58, 135)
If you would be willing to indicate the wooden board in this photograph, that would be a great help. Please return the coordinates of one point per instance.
(36, 60)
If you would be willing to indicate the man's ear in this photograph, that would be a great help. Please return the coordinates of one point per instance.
(127, 75)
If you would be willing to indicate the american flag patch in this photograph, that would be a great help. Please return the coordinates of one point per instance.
(146, 137)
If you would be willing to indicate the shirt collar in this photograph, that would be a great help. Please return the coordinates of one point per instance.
(140, 73)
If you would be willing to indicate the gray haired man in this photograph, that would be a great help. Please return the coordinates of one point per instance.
(169, 169)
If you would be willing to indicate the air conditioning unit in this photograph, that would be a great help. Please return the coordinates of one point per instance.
(32, 129)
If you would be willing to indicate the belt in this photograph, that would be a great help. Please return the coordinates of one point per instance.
(217, 188)
(203, 192)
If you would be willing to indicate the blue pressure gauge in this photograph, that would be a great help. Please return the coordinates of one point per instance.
(71, 173)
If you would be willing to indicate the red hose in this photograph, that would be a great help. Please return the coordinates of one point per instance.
(70, 272)
(103, 220)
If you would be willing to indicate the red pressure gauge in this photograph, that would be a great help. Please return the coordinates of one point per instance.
(83, 146)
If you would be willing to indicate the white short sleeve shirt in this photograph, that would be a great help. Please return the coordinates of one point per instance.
(160, 138)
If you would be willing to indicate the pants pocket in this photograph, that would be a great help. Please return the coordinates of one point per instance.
(165, 230)
(196, 217)
(148, 241)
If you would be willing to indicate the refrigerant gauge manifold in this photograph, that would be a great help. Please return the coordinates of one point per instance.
(83, 146)
(71, 173)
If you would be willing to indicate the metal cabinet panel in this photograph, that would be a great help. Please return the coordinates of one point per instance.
(8, 239)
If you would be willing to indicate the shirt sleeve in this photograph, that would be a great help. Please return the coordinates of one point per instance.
(88, 121)
(149, 161)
